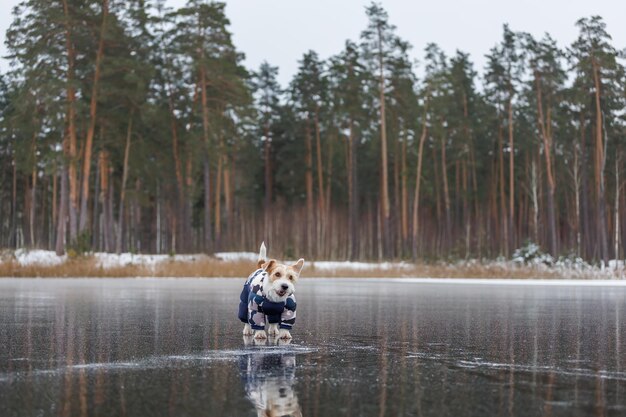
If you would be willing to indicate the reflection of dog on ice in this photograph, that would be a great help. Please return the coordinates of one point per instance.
(269, 379)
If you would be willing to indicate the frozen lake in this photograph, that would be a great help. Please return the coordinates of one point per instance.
(173, 347)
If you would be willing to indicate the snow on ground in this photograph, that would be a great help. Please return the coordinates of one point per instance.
(38, 257)
(236, 256)
(111, 260)
(358, 266)
(103, 260)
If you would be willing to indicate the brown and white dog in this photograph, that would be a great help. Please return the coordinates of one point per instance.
(268, 298)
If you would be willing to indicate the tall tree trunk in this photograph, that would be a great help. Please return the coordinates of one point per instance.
(228, 197)
(418, 180)
(505, 226)
(353, 210)
(13, 233)
(218, 202)
(104, 194)
(268, 185)
(545, 130)
(120, 216)
(446, 191)
(55, 176)
(511, 175)
(584, 196)
(206, 162)
(92, 121)
(616, 212)
(33, 207)
(186, 227)
(438, 203)
(383, 152)
(95, 236)
(158, 217)
(577, 185)
(110, 230)
(600, 161)
(321, 205)
(466, 209)
(404, 210)
(62, 220)
(535, 201)
(72, 154)
(308, 180)
(327, 243)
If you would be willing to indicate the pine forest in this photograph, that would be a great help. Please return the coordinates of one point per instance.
(126, 126)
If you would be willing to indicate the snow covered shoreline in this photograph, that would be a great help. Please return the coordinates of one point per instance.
(238, 262)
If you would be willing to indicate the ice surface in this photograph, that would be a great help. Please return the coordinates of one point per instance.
(361, 347)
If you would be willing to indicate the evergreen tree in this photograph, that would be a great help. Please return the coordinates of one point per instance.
(268, 95)
(348, 78)
(599, 77)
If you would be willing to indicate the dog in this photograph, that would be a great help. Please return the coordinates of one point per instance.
(268, 298)
(269, 378)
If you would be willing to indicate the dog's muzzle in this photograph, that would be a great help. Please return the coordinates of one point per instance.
(284, 288)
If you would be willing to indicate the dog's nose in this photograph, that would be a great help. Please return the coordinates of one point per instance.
(285, 287)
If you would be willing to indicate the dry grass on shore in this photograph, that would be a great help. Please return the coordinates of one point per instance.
(88, 268)
(209, 267)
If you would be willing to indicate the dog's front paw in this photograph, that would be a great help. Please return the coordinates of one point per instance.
(284, 334)
(272, 330)
(247, 330)
(260, 334)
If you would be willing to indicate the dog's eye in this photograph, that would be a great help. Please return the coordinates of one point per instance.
(278, 275)
(290, 277)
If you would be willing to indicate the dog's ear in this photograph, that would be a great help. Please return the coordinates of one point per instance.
(269, 265)
(298, 266)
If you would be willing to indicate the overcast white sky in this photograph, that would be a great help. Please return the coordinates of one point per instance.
(280, 31)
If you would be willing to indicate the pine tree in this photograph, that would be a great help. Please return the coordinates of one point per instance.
(600, 77)
(268, 94)
(348, 80)
(378, 43)
(309, 97)
(502, 77)
(547, 83)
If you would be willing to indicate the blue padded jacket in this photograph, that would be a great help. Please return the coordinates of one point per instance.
(255, 309)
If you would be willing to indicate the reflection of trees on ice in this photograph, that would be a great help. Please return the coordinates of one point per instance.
(269, 379)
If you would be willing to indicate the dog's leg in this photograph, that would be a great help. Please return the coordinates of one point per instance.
(247, 330)
(272, 329)
(260, 334)
(284, 334)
